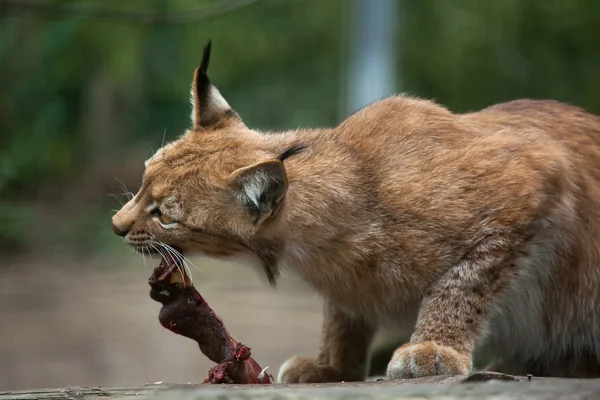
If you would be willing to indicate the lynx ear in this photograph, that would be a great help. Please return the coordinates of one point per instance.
(208, 105)
(262, 186)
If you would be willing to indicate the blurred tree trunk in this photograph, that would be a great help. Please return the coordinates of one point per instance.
(102, 127)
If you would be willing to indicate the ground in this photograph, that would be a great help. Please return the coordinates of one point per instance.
(88, 325)
(477, 386)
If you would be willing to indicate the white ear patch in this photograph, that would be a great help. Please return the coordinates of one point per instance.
(216, 101)
(256, 186)
(215, 104)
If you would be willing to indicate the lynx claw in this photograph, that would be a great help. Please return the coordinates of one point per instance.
(427, 359)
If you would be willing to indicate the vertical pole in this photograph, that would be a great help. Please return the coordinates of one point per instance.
(373, 51)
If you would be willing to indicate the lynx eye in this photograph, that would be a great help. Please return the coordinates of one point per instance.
(162, 217)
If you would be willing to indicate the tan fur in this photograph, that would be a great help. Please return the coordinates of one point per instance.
(482, 229)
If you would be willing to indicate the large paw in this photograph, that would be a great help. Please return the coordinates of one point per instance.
(427, 359)
(303, 370)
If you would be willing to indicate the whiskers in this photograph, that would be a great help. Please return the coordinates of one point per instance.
(163, 141)
(116, 197)
(125, 192)
(153, 248)
(175, 255)
(143, 250)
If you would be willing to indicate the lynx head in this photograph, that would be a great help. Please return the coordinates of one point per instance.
(213, 190)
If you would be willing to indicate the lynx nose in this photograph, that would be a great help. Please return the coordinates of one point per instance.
(117, 230)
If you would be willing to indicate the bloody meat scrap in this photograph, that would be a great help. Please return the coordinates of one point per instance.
(186, 313)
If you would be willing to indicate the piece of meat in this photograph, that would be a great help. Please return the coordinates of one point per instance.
(186, 313)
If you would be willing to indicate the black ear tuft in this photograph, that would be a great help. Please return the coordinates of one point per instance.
(208, 105)
(202, 83)
(205, 57)
(292, 151)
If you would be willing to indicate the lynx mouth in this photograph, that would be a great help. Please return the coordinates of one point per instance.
(147, 250)
(172, 256)
(171, 260)
(172, 266)
(157, 250)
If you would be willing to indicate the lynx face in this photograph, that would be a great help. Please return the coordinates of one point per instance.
(180, 204)
(206, 192)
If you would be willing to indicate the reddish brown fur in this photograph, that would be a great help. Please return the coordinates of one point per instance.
(481, 228)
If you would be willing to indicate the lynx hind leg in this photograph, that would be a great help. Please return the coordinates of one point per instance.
(343, 355)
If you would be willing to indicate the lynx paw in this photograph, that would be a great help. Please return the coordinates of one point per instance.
(426, 359)
(303, 370)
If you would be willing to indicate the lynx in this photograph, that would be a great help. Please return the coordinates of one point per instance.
(481, 230)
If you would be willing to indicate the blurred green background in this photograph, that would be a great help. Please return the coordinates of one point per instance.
(89, 88)
(87, 96)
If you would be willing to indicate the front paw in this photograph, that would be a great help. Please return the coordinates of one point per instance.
(303, 370)
(427, 359)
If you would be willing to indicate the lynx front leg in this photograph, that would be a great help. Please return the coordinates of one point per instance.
(343, 355)
(453, 314)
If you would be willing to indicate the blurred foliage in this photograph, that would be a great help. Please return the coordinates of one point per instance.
(85, 100)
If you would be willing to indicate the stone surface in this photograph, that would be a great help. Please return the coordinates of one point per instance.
(476, 386)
